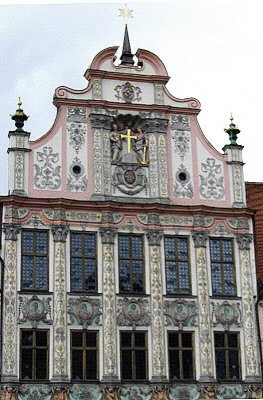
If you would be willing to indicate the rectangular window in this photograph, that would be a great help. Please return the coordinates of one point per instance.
(177, 265)
(222, 266)
(34, 259)
(131, 264)
(181, 356)
(83, 262)
(227, 356)
(34, 355)
(133, 356)
(84, 355)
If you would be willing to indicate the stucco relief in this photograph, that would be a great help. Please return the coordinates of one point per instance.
(133, 312)
(135, 392)
(35, 310)
(181, 134)
(248, 306)
(183, 187)
(9, 365)
(163, 166)
(107, 163)
(97, 88)
(226, 314)
(180, 313)
(212, 180)
(206, 351)
(153, 168)
(19, 171)
(77, 114)
(109, 306)
(84, 311)
(85, 392)
(158, 93)
(97, 162)
(240, 223)
(77, 135)
(128, 92)
(60, 310)
(237, 181)
(231, 392)
(130, 179)
(47, 170)
(77, 180)
(158, 345)
(35, 392)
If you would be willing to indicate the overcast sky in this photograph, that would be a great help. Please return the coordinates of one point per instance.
(212, 50)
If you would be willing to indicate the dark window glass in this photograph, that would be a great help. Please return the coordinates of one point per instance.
(84, 355)
(83, 262)
(34, 257)
(222, 266)
(177, 265)
(133, 356)
(227, 356)
(181, 356)
(131, 264)
(34, 355)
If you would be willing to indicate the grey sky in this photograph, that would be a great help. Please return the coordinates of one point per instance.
(211, 49)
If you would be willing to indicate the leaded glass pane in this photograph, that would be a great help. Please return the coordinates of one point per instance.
(28, 242)
(169, 245)
(227, 248)
(216, 279)
(229, 279)
(182, 248)
(125, 279)
(41, 273)
(41, 242)
(171, 276)
(183, 277)
(76, 274)
(137, 249)
(137, 272)
(76, 245)
(215, 250)
(90, 274)
(27, 272)
(89, 246)
(124, 246)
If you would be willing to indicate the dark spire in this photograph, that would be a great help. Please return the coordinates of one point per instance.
(127, 56)
(232, 131)
(19, 117)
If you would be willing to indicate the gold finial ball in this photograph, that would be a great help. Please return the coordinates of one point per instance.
(19, 103)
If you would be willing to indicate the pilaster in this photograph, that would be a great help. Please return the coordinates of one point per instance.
(110, 370)
(251, 344)
(60, 369)
(205, 336)
(9, 363)
(234, 153)
(154, 237)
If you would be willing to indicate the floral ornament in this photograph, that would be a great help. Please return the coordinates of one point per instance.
(48, 174)
(211, 185)
(77, 132)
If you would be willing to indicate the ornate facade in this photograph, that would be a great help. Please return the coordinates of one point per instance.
(129, 266)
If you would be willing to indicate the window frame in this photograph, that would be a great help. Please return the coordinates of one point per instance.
(133, 349)
(83, 258)
(180, 349)
(84, 354)
(34, 348)
(130, 262)
(226, 350)
(34, 255)
(222, 262)
(176, 260)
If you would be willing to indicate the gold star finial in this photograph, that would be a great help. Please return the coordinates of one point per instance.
(125, 13)
(19, 103)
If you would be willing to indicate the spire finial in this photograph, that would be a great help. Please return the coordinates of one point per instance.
(125, 13)
(127, 56)
(232, 131)
(19, 117)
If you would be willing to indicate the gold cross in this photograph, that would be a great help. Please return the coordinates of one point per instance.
(129, 138)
